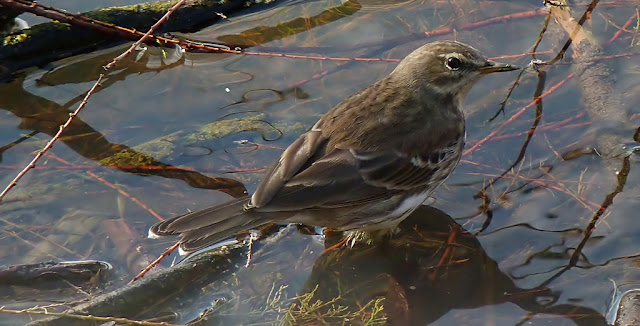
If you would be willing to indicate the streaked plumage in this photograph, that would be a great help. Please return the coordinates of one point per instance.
(368, 162)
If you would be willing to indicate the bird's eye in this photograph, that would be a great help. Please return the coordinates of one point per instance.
(453, 63)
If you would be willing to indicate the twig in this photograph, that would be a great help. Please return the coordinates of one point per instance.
(126, 194)
(155, 262)
(447, 253)
(252, 237)
(108, 184)
(623, 28)
(32, 164)
(577, 253)
(503, 104)
(622, 180)
(187, 45)
(576, 34)
(145, 36)
(542, 77)
(515, 116)
(544, 30)
(116, 320)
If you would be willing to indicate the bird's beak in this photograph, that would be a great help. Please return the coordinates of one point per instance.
(492, 66)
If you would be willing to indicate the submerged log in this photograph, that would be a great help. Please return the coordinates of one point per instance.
(69, 35)
(602, 99)
(142, 296)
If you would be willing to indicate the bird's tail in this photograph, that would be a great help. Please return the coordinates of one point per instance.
(211, 225)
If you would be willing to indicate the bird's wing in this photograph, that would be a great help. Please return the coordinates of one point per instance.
(393, 170)
(348, 177)
(312, 145)
(292, 161)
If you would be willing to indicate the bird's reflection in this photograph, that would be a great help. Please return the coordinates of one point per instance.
(428, 268)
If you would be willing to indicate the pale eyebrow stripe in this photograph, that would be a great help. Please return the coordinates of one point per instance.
(453, 54)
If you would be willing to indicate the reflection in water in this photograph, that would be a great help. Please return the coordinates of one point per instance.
(431, 269)
(538, 214)
(42, 115)
(264, 34)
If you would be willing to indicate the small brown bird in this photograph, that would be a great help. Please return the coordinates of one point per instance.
(367, 163)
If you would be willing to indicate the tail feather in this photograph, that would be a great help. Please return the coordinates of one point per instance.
(199, 219)
(204, 228)
(201, 238)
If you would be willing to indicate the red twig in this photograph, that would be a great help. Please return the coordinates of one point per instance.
(545, 183)
(155, 262)
(506, 18)
(517, 56)
(554, 128)
(623, 28)
(515, 116)
(335, 246)
(126, 194)
(446, 255)
(131, 34)
(74, 167)
(112, 186)
(500, 19)
(616, 56)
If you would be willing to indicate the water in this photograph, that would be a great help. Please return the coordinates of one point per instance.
(161, 135)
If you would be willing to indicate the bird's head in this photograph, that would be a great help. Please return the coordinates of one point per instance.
(447, 68)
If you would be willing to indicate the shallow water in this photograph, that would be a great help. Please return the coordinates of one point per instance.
(211, 116)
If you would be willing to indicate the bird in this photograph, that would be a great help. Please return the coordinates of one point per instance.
(367, 163)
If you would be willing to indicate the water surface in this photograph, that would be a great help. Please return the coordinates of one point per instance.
(195, 130)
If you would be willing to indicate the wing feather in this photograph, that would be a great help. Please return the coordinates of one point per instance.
(290, 163)
(347, 177)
